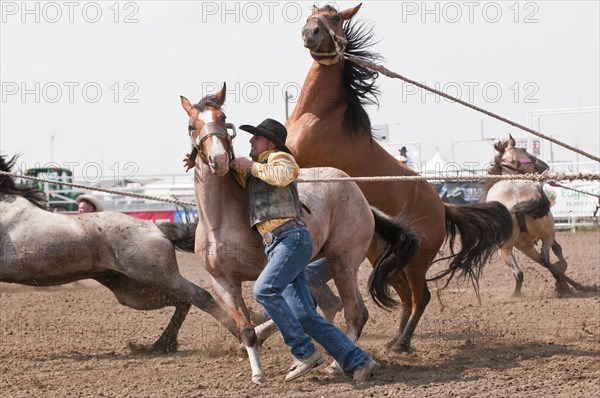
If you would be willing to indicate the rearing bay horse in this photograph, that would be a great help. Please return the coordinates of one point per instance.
(330, 127)
(341, 222)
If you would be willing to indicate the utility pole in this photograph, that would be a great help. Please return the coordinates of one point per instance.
(288, 97)
(52, 137)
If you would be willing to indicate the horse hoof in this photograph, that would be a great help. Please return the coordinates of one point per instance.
(156, 348)
(399, 349)
(396, 346)
(562, 289)
(258, 379)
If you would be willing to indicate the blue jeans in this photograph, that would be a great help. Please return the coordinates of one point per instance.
(282, 289)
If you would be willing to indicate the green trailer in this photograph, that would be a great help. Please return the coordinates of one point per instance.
(59, 197)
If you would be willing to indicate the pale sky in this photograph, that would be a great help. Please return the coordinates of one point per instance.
(108, 91)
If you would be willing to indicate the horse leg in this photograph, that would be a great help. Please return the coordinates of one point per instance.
(167, 342)
(355, 312)
(189, 292)
(231, 293)
(509, 259)
(135, 294)
(543, 258)
(400, 284)
(420, 297)
(264, 331)
(318, 275)
(561, 264)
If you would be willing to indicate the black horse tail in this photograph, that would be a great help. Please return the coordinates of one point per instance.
(536, 208)
(182, 236)
(483, 228)
(402, 244)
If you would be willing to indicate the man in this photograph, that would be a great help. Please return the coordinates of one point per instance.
(88, 204)
(282, 287)
(402, 155)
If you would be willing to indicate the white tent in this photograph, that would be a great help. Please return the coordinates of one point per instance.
(438, 163)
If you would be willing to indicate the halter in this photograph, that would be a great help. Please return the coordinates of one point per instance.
(339, 42)
(516, 164)
(209, 130)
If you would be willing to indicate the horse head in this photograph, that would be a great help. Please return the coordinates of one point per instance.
(513, 160)
(208, 131)
(324, 35)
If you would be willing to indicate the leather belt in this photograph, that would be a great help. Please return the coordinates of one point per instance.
(270, 236)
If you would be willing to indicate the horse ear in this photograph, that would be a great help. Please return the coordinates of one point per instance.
(221, 94)
(186, 105)
(511, 141)
(499, 146)
(349, 12)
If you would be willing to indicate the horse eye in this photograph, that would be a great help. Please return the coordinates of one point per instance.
(336, 18)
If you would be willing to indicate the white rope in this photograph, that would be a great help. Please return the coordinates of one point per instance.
(523, 177)
(519, 177)
(381, 69)
(115, 192)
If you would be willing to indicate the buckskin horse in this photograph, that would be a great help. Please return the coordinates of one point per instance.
(341, 222)
(133, 258)
(330, 127)
(530, 210)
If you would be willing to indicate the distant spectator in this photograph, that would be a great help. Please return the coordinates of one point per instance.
(89, 204)
(403, 157)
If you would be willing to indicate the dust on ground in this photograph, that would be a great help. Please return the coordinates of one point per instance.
(72, 341)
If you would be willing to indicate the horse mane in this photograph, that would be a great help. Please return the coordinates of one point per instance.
(209, 100)
(8, 186)
(495, 168)
(359, 87)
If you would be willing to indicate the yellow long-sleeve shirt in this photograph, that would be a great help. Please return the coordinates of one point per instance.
(280, 170)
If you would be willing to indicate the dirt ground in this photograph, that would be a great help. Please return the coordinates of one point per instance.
(72, 341)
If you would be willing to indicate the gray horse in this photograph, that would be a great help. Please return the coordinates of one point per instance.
(530, 211)
(135, 259)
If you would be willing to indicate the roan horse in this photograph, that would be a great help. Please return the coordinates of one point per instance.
(530, 211)
(135, 259)
(330, 127)
(340, 220)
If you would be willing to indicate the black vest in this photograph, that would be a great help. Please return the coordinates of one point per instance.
(267, 202)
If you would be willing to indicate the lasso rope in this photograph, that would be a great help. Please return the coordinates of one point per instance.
(573, 189)
(522, 177)
(381, 69)
(86, 187)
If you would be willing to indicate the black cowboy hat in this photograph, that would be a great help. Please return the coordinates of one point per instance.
(271, 130)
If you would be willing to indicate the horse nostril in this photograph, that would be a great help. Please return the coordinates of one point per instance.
(315, 30)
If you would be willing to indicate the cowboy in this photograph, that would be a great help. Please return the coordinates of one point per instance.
(282, 287)
(88, 204)
(402, 155)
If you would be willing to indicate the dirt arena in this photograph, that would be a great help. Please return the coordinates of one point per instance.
(72, 341)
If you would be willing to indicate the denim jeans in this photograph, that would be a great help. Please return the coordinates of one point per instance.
(282, 289)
